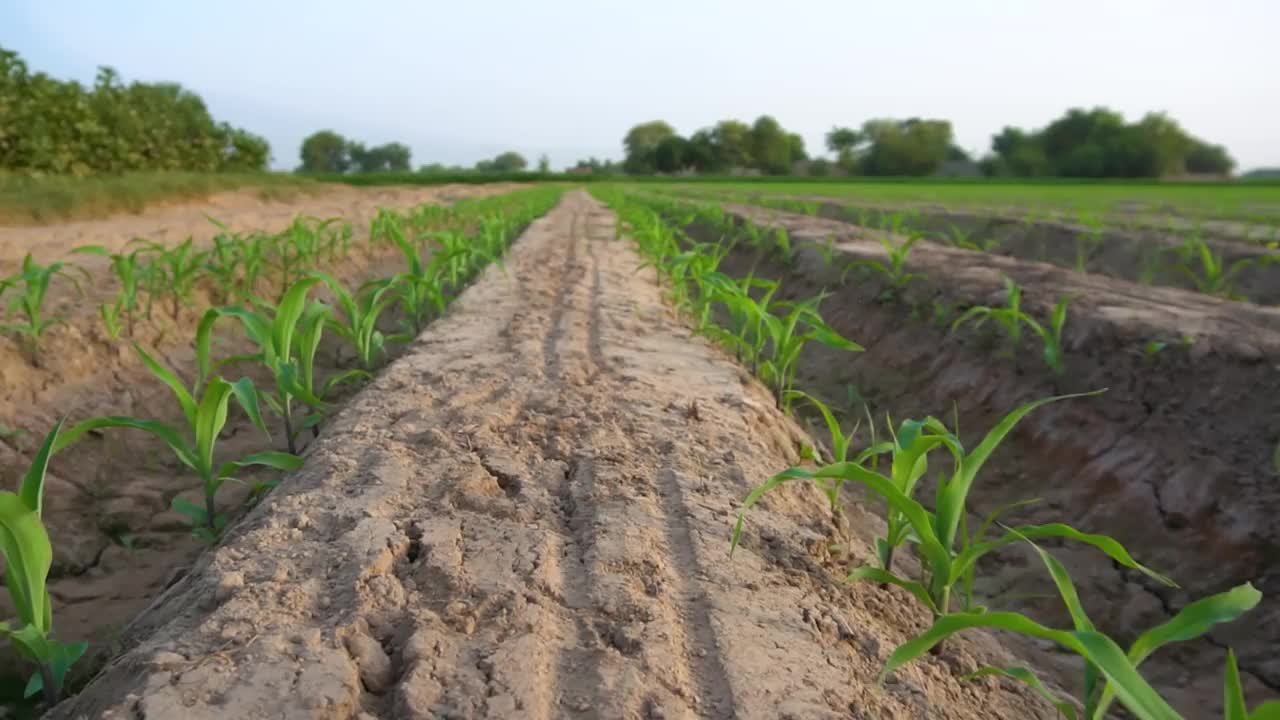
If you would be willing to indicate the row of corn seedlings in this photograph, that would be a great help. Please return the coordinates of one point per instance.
(1193, 259)
(949, 551)
(444, 248)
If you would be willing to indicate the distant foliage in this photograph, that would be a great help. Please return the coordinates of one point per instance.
(1098, 143)
(913, 146)
(730, 146)
(61, 127)
(509, 161)
(325, 151)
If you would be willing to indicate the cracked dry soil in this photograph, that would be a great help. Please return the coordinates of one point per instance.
(527, 516)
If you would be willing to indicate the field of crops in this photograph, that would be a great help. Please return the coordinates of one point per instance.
(655, 450)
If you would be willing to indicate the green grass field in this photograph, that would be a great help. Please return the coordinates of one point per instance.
(1250, 201)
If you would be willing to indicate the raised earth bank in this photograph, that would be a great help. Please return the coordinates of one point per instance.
(527, 515)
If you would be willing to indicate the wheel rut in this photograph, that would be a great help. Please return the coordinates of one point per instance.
(527, 516)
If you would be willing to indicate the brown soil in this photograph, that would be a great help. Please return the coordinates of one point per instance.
(527, 515)
(1140, 254)
(1174, 460)
(116, 543)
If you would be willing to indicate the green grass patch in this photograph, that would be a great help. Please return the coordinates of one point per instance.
(30, 199)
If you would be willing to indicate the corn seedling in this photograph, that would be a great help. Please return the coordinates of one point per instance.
(1011, 318)
(1206, 269)
(32, 284)
(174, 272)
(360, 312)
(272, 331)
(205, 411)
(28, 555)
(895, 270)
(1110, 673)
(949, 552)
(1087, 244)
(127, 269)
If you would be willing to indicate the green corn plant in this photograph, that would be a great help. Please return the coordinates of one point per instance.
(315, 317)
(272, 330)
(949, 553)
(1011, 318)
(28, 555)
(174, 272)
(360, 313)
(419, 289)
(204, 408)
(1110, 673)
(1206, 269)
(126, 267)
(1086, 244)
(787, 336)
(895, 270)
(32, 285)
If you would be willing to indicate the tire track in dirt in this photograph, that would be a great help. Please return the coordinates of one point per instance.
(526, 516)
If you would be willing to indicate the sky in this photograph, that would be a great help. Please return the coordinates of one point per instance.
(461, 81)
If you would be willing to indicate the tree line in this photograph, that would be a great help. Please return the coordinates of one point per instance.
(62, 127)
(326, 151)
(1095, 143)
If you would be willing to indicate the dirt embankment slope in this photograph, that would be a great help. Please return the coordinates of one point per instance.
(527, 515)
(1175, 460)
(107, 501)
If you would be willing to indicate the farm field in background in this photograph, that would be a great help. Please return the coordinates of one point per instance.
(515, 430)
(1257, 201)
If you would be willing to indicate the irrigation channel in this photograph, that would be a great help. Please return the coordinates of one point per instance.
(527, 515)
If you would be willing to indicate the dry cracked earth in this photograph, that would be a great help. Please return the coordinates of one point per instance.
(527, 516)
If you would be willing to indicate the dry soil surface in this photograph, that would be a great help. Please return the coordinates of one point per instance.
(240, 209)
(527, 515)
(117, 544)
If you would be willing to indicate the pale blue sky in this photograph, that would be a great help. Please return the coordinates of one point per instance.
(461, 80)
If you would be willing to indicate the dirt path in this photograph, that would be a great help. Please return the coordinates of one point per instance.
(527, 516)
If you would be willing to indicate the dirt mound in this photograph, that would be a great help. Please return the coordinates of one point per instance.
(527, 515)
(117, 543)
(1174, 460)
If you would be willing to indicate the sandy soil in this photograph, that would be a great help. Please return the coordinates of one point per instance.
(1174, 460)
(116, 543)
(527, 515)
(240, 209)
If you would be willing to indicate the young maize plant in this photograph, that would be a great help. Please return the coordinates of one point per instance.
(1110, 673)
(28, 555)
(1087, 244)
(949, 552)
(360, 313)
(1207, 270)
(174, 272)
(32, 284)
(204, 407)
(272, 330)
(128, 270)
(1011, 318)
(306, 341)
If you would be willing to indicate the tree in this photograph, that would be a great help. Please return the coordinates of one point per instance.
(507, 162)
(732, 140)
(325, 151)
(671, 155)
(701, 152)
(796, 145)
(1206, 159)
(544, 163)
(391, 157)
(770, 146)
(1099, 143)
(904, 147)
(844, 143)
(641, 143)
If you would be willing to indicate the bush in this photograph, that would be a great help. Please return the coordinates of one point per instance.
(60, 127)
